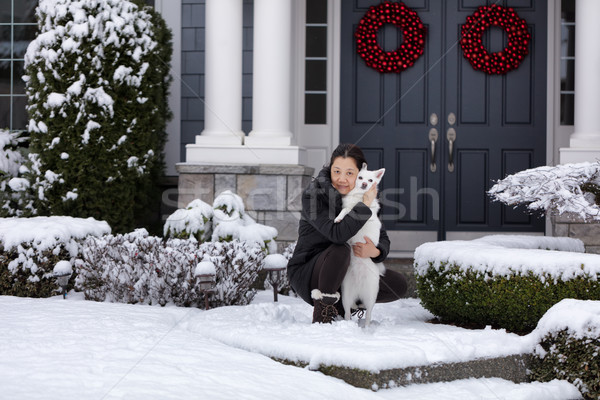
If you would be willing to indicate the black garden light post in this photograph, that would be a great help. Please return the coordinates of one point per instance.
(206, 274)
(62, 273)
(275, 265)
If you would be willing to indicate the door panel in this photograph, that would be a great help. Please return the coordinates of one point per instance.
(473, 172)
(499, 121)
(389, 113)
(496, 115)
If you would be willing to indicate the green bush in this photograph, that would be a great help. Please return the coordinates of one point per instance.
(96, 81)
(514, 302)
(567, 357)
(30, 248)
(32, 278)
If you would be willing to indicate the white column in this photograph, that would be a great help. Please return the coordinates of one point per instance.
(223, 74)
(271, 89)
(585, 140)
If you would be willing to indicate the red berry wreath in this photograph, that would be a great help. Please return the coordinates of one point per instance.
(413, 32)
(503, 61)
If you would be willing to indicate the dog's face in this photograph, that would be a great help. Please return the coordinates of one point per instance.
(366, 179)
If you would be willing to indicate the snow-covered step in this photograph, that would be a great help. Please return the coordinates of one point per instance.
(400, 347)
(510, 368)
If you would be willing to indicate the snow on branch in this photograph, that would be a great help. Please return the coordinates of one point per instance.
(568, 188)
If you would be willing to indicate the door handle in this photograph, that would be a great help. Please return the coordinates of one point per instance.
(433, 137)
(451, 136)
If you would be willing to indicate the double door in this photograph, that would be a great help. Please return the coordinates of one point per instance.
(444, 131)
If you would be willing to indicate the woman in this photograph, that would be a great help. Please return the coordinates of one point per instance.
(322, 256)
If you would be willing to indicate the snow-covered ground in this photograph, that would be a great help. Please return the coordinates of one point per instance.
(76, 349)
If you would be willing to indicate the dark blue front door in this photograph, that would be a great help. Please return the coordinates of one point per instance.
(487, 126)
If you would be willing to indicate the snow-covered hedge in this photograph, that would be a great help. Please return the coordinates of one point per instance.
(97, 77)
(225, 220)
(503, 281)
(569, 346)
(138, 268)
(568, 188)
(31, 247)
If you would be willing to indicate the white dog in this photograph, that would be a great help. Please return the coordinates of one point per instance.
(362, 279)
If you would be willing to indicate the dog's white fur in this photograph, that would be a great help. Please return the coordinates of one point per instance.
(362, 279)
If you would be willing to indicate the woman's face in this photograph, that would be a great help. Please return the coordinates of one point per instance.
(343, 174)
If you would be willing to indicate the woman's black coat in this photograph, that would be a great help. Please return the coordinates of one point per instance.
(321, 203)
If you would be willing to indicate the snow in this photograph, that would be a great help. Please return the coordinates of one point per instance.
(552, 189)
(10, 160)
(581, 318)
(230, 220)
(63, 268)
(54, 348)
(275, 261)
(56, 100)
(193, 219)
(18, 184)
(226, 217)
(57, 349)
(497, 255)
(205, 268)
(46, 232)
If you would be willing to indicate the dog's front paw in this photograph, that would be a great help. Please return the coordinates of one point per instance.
(337, 220)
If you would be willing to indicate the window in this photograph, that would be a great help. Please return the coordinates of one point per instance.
(315, 80)
(17, 29)
(567, 62)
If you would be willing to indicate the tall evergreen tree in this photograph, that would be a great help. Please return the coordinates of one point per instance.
(97, 79)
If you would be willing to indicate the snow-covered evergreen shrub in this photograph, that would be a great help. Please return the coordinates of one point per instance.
(569, 346)
(31, 247)
(138, 268)
(15, 197)
(569, 188)
(503, 281)
(96, 80)
(10, 158)
(193, 221)
(226, 220)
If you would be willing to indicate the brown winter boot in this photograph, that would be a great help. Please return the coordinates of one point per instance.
(325, 310)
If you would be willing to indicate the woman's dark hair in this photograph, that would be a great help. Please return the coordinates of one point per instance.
(346, 150)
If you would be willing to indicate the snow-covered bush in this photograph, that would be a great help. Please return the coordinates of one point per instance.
(230, 222)
(503, 281)
(138, 268)
(193, 221)
(30, 248)
(226, 220)
(569, 188)
(96, 80)
(568, 338)
(15, 197)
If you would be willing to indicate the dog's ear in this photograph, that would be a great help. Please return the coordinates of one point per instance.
(364, 166)
(379, 173)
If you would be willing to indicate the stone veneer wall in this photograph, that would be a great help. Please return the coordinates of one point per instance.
(571, 225)
(271, 193)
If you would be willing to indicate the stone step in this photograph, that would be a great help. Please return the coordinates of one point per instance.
(512, 368)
